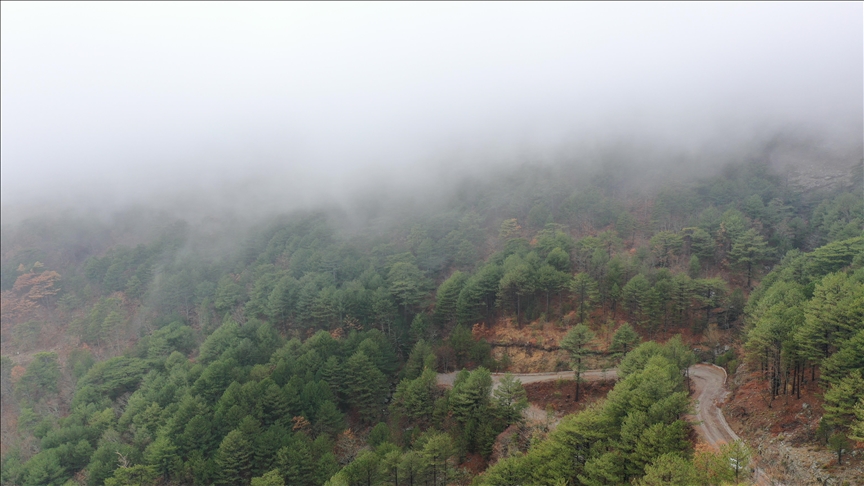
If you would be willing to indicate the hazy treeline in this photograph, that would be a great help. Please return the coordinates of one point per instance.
(220, 320)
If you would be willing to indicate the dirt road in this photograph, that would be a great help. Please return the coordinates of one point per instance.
(709, 392)
(447, 379)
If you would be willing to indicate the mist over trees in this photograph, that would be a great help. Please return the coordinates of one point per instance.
(306, 351)
(243, 244)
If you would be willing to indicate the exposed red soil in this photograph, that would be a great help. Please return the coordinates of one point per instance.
(475, 464)
(750, 408)
(560, 395)
(786, 432)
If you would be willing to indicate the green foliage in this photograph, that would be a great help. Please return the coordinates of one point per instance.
(737, 455)
(79, 362)
(234, 459)
(584, 288)
(666, 245)
(437, 452)
(138, 475)
(415, 399)
(620, 439)
(296, 461)
(299, 274)
(111, 378)
(669, 469)
(270, 478)
(856, 430)
(44, 469)
(748, 250)
(636, 295)
(447, 298)
(365, 386)
(407, 285)
(229, 294)
(624, 339)
(576, 343)
(510, 399)
(379, 434)
(162, 455)
(802, 316)
(40, 379)
(841, 399)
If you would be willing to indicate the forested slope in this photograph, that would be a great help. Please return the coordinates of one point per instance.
(144, 347)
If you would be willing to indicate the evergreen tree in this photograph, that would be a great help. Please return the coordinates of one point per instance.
(271, 478)
(748, 250)
(636, 295)
(296, 463)
(234, 459)
(665, 245)
(447, 296)
(365, 386)
(412, 468)
(437, 451)
(138, 475)
(576, 343)
(669, 470)
(421, 357)
(415, 398)
(162, 455)
(272, 407)
(406, 285)
(841, 399)
(624, 339)
(40, 378)
(510, 399)
(518, 281)
(329, 420)
(584, 289)
(364, 470)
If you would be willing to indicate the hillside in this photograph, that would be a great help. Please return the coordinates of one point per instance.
(150, 348)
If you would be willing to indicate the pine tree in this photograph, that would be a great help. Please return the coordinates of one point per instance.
(584, 289)
(748, 250)
(669, 470)
(296, 463)
(365, 386)
(415, 399)
(272, 406)
(636, 295)
(329, 420)
(576, 343)
(624, 339)
(162, 455)
(412, 468)
(234, 459)
(437, 452)
(510, 399)
(605, 469)
(271, 478)
(447, 296)
(421, 357)
(841, 399)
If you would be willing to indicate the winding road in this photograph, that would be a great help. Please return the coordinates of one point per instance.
(447, 379)
(709, 391)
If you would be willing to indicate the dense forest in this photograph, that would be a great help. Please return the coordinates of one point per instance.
(145, 348)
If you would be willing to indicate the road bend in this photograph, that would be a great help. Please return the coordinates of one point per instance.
(709, 393)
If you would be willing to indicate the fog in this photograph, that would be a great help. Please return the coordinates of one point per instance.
(287, 105)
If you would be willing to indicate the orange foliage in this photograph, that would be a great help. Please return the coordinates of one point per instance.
(29, 292)
(301, 424)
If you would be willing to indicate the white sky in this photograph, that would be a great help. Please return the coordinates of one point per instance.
(132, 99)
